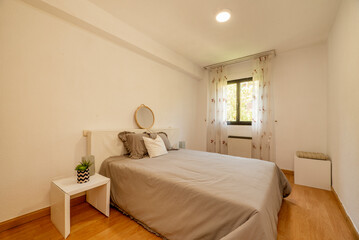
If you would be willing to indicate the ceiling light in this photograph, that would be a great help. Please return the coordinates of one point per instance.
(223, 16)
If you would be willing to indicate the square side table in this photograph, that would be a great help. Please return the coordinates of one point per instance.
(97, 194)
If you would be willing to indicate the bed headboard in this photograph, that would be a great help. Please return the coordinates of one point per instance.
(104, 144)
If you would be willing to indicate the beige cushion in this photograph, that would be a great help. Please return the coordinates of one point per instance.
(155, 147)
(164, 137)
(312, 155)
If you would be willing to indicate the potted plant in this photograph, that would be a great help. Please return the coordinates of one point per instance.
(83, 174)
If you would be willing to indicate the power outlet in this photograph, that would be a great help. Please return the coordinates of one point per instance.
(182, 144)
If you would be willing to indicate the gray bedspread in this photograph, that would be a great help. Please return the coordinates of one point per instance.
(189, 195)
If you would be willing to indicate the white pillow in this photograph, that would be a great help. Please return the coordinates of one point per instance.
(155, 147)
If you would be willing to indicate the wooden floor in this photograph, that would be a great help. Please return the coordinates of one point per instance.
(310, 213)
(307, 213)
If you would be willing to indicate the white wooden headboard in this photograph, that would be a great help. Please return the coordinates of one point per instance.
(104, 144)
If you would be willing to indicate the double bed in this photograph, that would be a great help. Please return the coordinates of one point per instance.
(188, 194)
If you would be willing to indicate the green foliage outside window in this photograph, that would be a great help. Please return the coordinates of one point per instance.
(231, 102)
(239, 101)
(246, 90)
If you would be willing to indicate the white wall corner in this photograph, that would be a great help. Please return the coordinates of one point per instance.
(94, 19)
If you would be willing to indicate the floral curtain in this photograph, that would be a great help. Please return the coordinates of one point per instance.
(217, 136)
(262, 123)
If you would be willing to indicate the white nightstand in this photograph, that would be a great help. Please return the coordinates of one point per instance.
(98, 195)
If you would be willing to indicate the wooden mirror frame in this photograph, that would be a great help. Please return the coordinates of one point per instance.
(153, 115)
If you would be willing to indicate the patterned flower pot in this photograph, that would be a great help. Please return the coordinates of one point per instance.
(83, 176)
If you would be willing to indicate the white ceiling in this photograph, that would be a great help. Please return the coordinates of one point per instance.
(189, 27)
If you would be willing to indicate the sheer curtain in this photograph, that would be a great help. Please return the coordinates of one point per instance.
(217, 136)
(262, 111)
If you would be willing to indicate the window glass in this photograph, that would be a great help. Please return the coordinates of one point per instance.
(239, 101)
(245, 99)
(232, 102)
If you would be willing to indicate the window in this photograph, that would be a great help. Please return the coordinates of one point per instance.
(239, 101)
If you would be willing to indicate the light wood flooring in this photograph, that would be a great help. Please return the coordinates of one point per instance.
(308, 213)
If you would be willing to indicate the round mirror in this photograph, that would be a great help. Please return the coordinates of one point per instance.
(144, 117)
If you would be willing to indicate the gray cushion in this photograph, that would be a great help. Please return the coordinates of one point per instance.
(122, 137)
(134, 143)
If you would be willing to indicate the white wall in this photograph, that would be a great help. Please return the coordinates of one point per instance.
(343, 111)
(300, 94)
(57, 79)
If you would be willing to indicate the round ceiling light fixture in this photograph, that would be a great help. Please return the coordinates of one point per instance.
(223, 16)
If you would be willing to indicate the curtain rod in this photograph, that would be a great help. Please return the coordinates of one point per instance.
(241, 59)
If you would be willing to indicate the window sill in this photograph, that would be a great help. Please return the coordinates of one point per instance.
(240, 137)
(239, 123)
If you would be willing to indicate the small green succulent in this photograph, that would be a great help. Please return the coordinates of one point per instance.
(84, 164)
